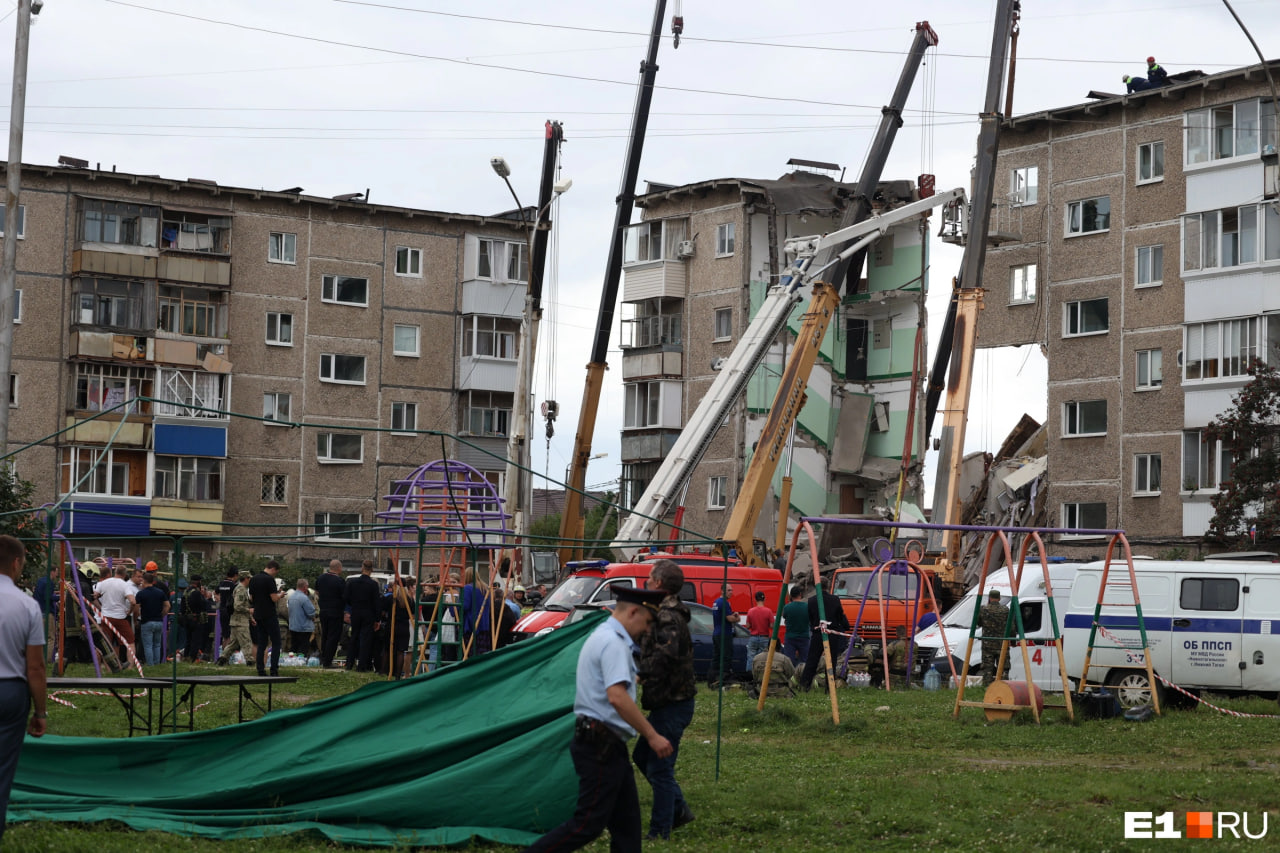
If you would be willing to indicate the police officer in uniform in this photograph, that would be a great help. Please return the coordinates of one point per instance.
(994, 619)
(607, 717)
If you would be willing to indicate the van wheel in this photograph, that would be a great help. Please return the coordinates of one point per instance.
(1132, 687)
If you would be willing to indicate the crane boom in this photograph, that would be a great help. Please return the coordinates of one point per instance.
(966, 303)
(571, 519)
(659, 498)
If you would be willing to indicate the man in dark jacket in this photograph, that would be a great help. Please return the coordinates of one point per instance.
(363, 598)
(226, 600)
(666, 675)
(196, 607)
(331, 589)
(836, 620)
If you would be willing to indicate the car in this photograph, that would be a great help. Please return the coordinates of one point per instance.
(700, 630)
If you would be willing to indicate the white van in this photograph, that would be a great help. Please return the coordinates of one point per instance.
(1212, 625)
(1032, 601)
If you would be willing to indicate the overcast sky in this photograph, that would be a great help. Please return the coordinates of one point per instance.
(411, 98)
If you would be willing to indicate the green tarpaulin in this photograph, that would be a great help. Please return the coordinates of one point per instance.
(478, 750)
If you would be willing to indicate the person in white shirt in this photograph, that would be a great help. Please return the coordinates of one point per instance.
(115, 597)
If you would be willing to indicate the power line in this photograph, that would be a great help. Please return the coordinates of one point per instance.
(486, 65)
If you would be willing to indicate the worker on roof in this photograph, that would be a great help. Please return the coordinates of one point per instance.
(1156, 75)
(1136, 84)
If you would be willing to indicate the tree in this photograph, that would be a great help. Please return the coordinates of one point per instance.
(545, 532)
(1250, 494)
(20, 517)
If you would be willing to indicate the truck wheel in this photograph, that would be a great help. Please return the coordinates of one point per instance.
(1131, 687)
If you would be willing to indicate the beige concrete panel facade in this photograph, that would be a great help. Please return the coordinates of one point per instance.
(341, 319)
(40, 399)
(1158, 514)
(1002, 321)
(43, 329)
(1088, 355)
(1092, 254)
(43, 246)
(1088, 156)
(436, 288)
(252, 272)
(434, 366)
(1163, 200)
(248, 324)
(1076, 458)
(338, 239)
(700, 346)
(1154, 409)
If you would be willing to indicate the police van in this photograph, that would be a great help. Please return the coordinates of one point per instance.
(1212, 625)
(1037, 625)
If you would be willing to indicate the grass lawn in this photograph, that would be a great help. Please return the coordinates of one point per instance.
(899, 773)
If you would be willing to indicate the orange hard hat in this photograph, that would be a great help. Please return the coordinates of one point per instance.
(151, 566)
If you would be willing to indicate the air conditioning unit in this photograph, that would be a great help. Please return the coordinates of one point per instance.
(685, 249)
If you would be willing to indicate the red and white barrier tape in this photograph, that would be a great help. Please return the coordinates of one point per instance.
(1167, 683)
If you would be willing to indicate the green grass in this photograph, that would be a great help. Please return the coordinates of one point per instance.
(898, 773)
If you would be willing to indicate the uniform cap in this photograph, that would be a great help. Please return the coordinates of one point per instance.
(649, 598)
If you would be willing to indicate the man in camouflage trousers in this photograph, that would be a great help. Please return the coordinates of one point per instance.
(665, 666)
(240, 638)
(994, 620)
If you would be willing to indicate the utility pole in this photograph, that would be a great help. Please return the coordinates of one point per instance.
(13, 175)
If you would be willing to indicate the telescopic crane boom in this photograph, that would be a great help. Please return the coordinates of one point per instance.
(838, 263)
(960, 330)
(571, 519)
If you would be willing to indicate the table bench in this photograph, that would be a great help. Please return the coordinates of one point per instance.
(137, 721)
(241, 682)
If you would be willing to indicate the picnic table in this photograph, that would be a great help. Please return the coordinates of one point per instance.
(186, 697)
(137, 721)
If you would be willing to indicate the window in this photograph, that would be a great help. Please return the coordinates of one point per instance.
(192, 311)
(196, 232)
(1206, 463)
(1216, 133)
(725, 239)
(1086, 317)
(1217, 594)
(345, 290)
(190, 393)
(1146, 474)
(654, 240)
(494, 257)
(643, 403)
(656, 321)
(275, 406)
(346, 369)
(103, 386)
(1150, 162)
(1150, 266)
(404, 417)
(282, 248)
(17, 305)
(279, 329)
(1085, 417)
(337, 526)
(339, 447)
(1150, 374)
(116, 305)
(493, 337)
(275, 489)
(1230, 237)
(1220, 349)
(1024, 185)
(408, 262)
(1022, 284)
(1089, 216)
(121, 224)
(104, 472)
(1084, 516)
(13, 390)
(723, 324)
(717, 494)
(404, 340)
(636, 477)
(22, 220)
(517, 262)
(487, 413)
(188, 478)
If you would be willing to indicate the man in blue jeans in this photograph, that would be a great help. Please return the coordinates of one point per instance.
(153, 606)
(666, 674)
